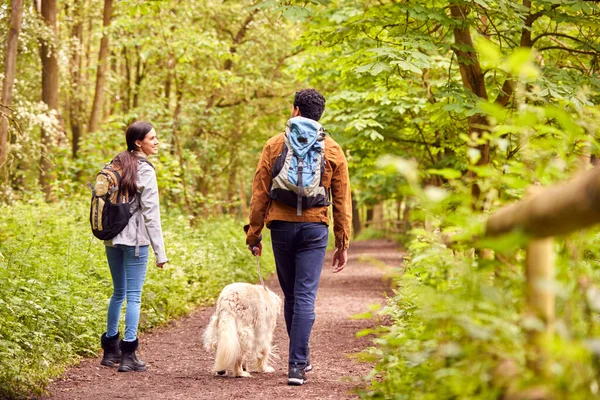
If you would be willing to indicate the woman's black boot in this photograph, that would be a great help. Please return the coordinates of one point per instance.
(112, 353)
(129, 360)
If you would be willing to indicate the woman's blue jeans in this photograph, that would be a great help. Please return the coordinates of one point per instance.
(299, 249)
(128, 274)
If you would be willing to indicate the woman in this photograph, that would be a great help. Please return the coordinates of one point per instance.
(127, 253)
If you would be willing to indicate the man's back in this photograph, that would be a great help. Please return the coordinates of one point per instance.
(334, 178)
(299, 235)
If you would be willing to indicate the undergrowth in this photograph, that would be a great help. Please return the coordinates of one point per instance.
(56, 284)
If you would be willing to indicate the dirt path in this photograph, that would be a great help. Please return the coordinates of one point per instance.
(180, 367)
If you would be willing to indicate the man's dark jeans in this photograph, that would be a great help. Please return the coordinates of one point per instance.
(299, 249)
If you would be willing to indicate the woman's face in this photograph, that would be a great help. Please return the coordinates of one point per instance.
(150, 143)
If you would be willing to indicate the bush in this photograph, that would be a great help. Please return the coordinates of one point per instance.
(56, 284)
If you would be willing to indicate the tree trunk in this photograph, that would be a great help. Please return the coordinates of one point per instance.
(10, 65)
(406, 214)
(355, 218)
(126, 89)
(101, 72)
(369, 216)
(526, 40)
(177, 144)
(470, 69)
(76, 105)
(232, 209)
(539, 274)
(140, 73)
(49, 94)
(378, 222)
(88, 47)
(243, 200)
(472, 78)
(168, 79)
(114, 102)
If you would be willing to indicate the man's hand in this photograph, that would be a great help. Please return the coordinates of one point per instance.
(256, 250)
(160, 265)
(339, 260)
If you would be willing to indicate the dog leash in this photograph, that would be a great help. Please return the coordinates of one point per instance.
(259, 274)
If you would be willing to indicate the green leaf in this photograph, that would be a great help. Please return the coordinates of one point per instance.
(446, 173)
(520, 63)
(489, 53)
(365, 315)
(373, 68)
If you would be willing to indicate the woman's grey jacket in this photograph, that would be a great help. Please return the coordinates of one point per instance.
(144, 226)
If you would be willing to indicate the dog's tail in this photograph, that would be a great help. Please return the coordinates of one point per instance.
(210, 334)
(228, 344)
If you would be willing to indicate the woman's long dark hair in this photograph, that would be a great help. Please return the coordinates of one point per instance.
(128, 160)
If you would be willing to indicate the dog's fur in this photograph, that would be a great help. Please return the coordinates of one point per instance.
(241, 329)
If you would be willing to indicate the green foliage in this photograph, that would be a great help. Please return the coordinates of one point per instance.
(459, 329)
(217, 82)
(370, 233)
(56, 284)
(394, 86)
(396, 96)
(210, 76)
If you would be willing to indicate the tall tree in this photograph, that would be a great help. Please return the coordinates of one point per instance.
(409, 75)
(10, 64)
(101, 71)
(50, 72)
(76, 101)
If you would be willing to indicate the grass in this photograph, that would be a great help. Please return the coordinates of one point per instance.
(56, 284)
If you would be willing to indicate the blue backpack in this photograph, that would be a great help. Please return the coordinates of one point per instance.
(297, 172)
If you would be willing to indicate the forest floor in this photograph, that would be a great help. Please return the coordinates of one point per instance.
(179, 367)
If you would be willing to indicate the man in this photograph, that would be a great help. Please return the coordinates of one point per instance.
(301, 160)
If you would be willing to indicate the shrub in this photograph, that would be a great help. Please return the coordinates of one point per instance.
(56, 284)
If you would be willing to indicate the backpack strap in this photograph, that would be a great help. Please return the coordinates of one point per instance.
(279, 161)
(112, 176)
(119, 191)
(140, 220)
(137, 232)
(300, 187)
(145, 160)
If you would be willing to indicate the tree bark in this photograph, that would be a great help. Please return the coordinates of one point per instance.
(140, 73)
(406, 214)
(470, 69)
(378, 218)
(76, 104)
(541, 300)
(508, 87)
(473, 80)
(168, 79)
(369, 219)
(49, 94)
(557, 210)
(238, 38)
(10, 65)
(355, 217)
(177, 143)
(232, 209)
(101, 71)
(126, 89)
(114, 101)
(243, 200)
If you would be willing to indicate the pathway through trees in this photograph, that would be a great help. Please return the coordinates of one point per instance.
(179, 367)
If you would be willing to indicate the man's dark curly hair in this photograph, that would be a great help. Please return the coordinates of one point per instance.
(310, 102)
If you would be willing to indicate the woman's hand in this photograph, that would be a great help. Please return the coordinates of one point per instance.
(160, 265)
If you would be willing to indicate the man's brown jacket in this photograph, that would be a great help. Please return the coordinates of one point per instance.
(263, 210)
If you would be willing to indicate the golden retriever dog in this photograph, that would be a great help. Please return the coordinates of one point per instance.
(241, 329)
